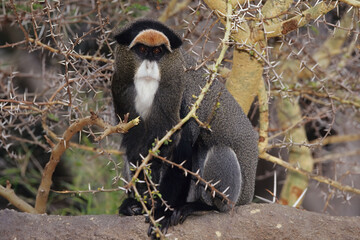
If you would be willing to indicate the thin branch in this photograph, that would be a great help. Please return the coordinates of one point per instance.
(75, 55)
(289, 25)
(354, 3)
(336, 156)
(95, 149)
(26, 34)
(58, 51)
(300, 92)
(172, 8)
(63, 144)
(207, 184)
(264, 117)
(337, 139)
(157, 230)
(88, 191)
(10, 195)
(311, 175)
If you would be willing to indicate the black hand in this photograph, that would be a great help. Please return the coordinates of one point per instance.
(130, 207)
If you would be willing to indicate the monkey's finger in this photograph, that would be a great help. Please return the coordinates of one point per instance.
(175, 218)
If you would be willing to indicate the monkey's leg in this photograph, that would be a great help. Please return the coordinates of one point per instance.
(218, 163)
(174, 186)
(130, 206)
(174, 189)
(221, 164)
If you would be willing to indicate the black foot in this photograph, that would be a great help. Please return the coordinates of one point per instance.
(130, 207)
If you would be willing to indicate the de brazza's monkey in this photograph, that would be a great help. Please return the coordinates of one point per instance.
(150, 81)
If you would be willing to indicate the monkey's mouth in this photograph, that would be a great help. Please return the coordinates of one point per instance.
(148, 72)
(148, 78)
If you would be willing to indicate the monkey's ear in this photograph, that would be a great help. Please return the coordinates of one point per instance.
(127, 35)
(123, 38)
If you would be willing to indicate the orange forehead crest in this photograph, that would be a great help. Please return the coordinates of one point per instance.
(152, 38)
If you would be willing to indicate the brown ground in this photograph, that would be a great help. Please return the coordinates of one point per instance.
(255, 221)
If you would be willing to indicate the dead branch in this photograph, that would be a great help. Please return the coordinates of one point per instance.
(10, 195)
(292, 24)
(337, 139)
(316, 177)
(336, 156)
(63, 144)
(172, 8)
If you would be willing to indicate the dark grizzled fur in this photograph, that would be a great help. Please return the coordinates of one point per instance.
(231, 131)
(230, 127)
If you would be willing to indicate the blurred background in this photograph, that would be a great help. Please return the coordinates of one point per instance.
(56, 66)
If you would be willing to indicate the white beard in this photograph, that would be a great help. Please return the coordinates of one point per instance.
(146, 82)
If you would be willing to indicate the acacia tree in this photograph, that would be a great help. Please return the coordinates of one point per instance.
(300, 59)
(295, 71)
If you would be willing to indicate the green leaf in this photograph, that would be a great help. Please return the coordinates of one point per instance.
(53, 117)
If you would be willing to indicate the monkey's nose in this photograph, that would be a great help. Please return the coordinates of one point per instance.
(148, 70)
(150, 65)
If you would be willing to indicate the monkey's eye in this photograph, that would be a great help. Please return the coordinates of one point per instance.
(157, 50)
(142, 49)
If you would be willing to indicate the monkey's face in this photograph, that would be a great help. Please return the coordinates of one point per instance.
(149, 46)
(147, 49)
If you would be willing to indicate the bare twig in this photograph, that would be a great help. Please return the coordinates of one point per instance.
(208, 184)
(318, 178)
(59, 149)
(10, 195)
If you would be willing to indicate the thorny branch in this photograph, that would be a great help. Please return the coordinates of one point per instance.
(316, 177)
(277, 27)
(51, 30)
(58, 150)
(207, 184)
(264, 121)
